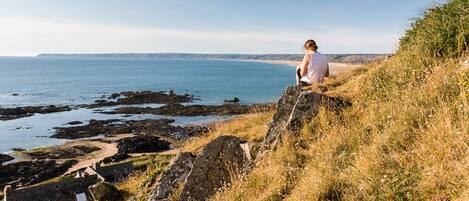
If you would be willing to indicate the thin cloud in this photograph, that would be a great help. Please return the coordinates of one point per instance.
(26, 36)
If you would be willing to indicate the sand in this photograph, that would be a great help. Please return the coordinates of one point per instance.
(334, 67)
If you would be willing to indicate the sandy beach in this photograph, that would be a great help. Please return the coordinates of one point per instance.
(335, 67)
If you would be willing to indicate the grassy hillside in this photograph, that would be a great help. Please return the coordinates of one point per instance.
(405, 137)
(251, 127)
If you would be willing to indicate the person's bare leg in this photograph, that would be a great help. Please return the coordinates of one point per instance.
(297, 75)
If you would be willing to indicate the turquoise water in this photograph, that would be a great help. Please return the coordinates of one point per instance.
(46, 81)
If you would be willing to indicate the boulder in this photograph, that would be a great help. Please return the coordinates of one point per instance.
(294, 109)
(284, 108)
(221, 161)
(104, 191)
(174, 176)
(305, 108)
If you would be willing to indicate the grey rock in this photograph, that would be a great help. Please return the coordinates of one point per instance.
(175, 175)
(222, 160)
(284, 108)
(295, 109)
(305, 108)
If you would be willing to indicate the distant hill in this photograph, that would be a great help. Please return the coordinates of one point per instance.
(342, 58)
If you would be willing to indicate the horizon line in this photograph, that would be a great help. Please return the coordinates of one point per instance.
(195, 53)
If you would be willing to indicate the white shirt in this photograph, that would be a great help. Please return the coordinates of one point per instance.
(317, 68)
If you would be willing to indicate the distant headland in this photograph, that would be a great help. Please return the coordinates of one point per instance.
(339, 58)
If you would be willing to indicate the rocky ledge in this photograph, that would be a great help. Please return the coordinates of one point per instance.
(20, 112)
(60, 152)
(142, 97)
(114, 126)
(194, 110)
(215, 167)
(138, 144)
(30, 172)
(122, 98)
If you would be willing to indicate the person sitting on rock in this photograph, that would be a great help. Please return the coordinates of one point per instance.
(314, 67)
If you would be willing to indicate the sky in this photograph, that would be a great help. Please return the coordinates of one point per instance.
(31, 27)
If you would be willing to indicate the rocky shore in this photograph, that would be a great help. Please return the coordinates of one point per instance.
(141, 97)
(31, 172)
(162, 127)
(194, 110)
(121, 138)
(138, 144)
(61, 152)
(20, 112)
(122, 98)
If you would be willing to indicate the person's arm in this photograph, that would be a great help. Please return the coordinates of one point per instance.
(304, 65)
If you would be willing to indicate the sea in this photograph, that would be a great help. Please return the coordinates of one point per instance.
(34, 81)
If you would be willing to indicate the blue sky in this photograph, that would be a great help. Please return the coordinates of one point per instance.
(29, 27)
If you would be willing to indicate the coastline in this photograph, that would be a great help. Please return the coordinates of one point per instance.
(334, 67)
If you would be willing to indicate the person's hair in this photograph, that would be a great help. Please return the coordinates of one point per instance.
(310, 45)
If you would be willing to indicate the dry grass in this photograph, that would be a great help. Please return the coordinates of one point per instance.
(139, 184)
(403, 143)
(250, 127)
(405, 137)
(272, 179)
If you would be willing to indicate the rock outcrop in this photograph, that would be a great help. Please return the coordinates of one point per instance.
(162, 127)
(20, 112)
(221, 161)
(284, 108)
(142, 97)
(174, 176)
(138, 144)
(26, 173)
(61, 152)
(193, 110)
(295, 108)
(227, 157)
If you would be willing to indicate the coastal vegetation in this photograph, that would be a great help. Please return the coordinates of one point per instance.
(391, 129)
(251, 127)
(404, 136)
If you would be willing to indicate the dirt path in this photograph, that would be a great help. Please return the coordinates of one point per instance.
(107, 150)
